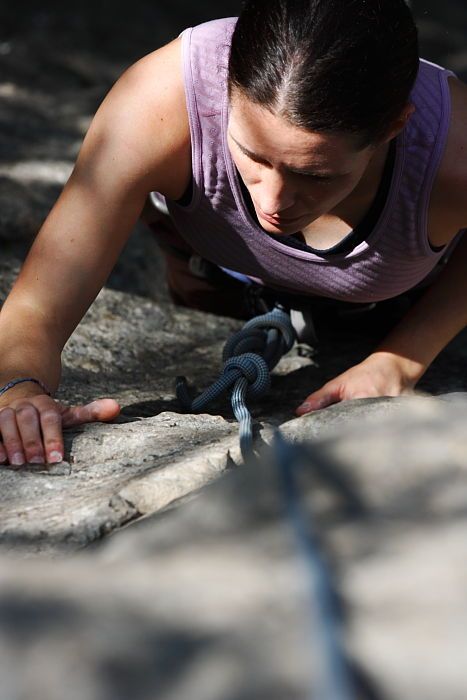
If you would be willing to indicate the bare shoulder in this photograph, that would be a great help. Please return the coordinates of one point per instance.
(144, 120)
(448, 203)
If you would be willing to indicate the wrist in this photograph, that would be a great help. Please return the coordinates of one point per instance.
(408, 370)
(24, 380)
(22, 390)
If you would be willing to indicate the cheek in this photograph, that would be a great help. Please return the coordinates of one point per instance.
(326, 192)
(319, 193)
(247, 169)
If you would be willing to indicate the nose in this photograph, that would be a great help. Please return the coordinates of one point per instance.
(272, 193)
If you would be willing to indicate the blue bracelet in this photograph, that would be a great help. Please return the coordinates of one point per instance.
(14, 382)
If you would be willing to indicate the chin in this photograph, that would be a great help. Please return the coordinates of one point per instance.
(280, 229)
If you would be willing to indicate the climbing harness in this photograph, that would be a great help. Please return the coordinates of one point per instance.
(249, 356)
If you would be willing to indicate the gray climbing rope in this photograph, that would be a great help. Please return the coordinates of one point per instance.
(249, 356)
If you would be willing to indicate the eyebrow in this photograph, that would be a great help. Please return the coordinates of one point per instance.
(300, 171)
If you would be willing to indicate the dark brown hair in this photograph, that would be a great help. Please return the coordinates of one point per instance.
(327, 65)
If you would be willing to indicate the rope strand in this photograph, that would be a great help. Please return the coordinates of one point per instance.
(249, 356)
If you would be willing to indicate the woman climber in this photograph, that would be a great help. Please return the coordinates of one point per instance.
(303, 149)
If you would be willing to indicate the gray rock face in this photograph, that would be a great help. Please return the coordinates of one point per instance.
(210, 598)
(213, 598)
(131, 348)
(400, 562)
(116, 473)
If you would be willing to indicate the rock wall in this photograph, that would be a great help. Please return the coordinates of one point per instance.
(215, 598)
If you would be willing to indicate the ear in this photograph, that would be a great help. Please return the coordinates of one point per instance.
(399, 124)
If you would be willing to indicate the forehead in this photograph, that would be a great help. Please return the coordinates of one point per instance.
(271, 137)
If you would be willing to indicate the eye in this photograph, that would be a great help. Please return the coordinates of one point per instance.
(317, 178)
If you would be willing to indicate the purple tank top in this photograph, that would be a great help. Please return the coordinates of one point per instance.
(395, 256)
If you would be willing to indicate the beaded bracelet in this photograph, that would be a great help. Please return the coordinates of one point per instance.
(14, 382)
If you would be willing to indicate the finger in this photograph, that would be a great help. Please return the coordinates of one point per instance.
(319, 399)
(29, 427)
(51, 426)
(11, 438)
(100, 410)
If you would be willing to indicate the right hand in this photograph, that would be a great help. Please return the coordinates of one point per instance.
(31, 427)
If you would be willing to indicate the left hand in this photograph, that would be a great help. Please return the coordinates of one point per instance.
(380, 374)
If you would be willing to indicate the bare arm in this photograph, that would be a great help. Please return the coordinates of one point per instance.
(406, 353)
(138, 142)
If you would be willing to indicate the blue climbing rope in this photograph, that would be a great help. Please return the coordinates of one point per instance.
(333, 679)
(249, 356)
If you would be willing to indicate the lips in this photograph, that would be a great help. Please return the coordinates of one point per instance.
(277, 220)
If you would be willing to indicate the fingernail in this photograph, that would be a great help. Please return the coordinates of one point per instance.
(55, 457)
(305, 407)
(36, 460)
(17, 459)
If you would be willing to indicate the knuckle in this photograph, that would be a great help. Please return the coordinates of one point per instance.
(42, 401)
(6, 414)
(26, 411)
(51, 417)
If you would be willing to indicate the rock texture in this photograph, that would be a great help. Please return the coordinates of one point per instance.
(131, 348)
(213, 598)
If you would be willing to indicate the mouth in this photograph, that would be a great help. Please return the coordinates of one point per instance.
(278, 220)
